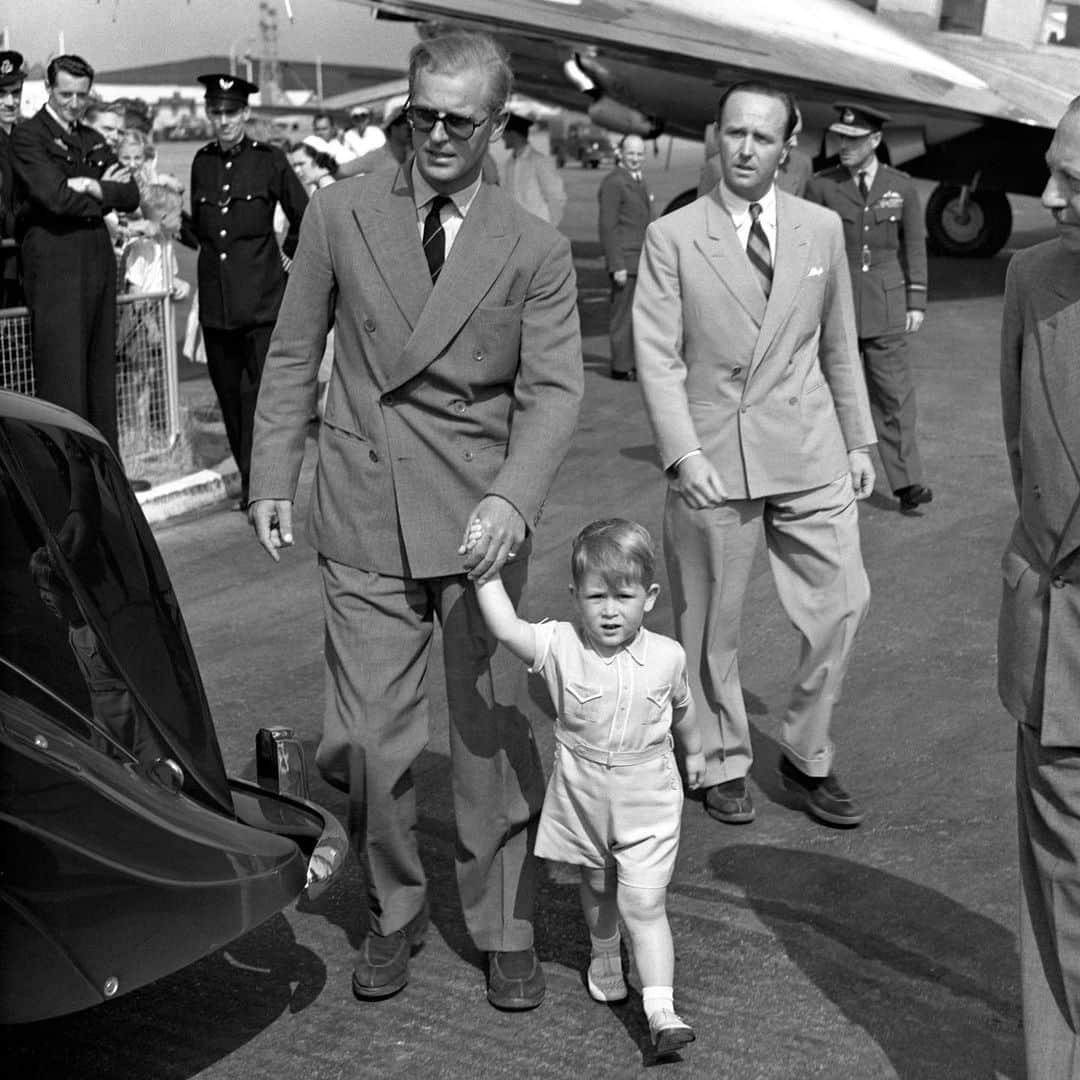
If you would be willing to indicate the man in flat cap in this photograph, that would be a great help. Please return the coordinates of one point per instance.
(886, 248)
(236, 182)
(529, 176)
(362, 136)
(66, 181)
(12, 77)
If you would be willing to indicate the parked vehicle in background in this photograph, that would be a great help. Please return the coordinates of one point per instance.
(580, 140)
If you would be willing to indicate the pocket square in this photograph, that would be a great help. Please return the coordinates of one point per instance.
(815, 271)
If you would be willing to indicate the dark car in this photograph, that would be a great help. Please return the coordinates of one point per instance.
(584, 143)
(126, 852)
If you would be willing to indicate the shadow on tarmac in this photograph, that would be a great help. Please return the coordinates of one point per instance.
(927, 979)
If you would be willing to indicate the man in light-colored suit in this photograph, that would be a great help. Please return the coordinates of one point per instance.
(1039, 630)
(626, 208)
(455, 391)
(530, 176)
(747, 358)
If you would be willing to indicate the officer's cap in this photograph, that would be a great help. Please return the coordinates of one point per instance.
(227, 90)
(12, 71)
(360, 110)
(857, 120)
(520, 124)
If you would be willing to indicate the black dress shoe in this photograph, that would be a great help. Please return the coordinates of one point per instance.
(382, 964)
(822, 797)
(730, 802)
(515, 980)
(912, 497)
(624, 376)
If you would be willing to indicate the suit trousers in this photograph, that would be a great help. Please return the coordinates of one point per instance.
(812, 539)
(621, 325)
(1048, 820)
(70, 283)
(378, 638)
(892, 403)
(234, 361)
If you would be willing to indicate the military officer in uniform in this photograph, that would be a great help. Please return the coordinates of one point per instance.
(12, 76)
(236, 182)
(886, 250)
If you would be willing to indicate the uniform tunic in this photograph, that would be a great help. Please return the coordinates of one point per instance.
(615, 796)
(69, 270)
(886, 248)
(241, 270)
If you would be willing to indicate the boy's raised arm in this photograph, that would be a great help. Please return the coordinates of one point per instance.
(502, 620)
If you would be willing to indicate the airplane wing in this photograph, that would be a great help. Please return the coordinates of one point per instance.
(830, 44)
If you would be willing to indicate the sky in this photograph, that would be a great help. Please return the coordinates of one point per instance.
(126, 33)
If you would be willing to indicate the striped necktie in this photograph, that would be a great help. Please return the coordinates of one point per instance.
(435, 236)
(757, 250)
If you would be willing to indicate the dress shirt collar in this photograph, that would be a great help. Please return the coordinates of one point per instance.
(423, 192)
(67, 128)
(738, 208)
(634, 649)
(870, 169)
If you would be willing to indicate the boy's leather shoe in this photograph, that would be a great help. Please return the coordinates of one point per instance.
(730, 802)
(382, 964)
(822, 797)
(912, 497)
(669, 1032)
(515, 980)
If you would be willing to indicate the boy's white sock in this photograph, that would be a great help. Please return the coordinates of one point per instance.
(656, 998)
(605, 946)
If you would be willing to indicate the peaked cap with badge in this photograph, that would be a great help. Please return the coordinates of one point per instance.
(227, 89)
(857, 120)
(12, 71)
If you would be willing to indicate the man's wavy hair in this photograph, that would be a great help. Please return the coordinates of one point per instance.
(70, 64)
(465, 50)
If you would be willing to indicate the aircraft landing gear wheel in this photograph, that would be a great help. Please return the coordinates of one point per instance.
(975, 227)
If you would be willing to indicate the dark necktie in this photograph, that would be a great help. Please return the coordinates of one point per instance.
(864, 187)
(435, 237)
(757, 250)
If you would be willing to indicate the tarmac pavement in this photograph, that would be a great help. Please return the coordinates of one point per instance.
(803, 951)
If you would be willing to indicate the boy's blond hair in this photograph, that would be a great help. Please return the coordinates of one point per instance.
(616, 549)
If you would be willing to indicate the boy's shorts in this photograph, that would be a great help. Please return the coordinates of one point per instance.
(626, 816)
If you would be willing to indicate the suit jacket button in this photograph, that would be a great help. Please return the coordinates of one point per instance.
(736, 371)
(1058, 583)
(374, 457)
(389, 399)
(369, 325)
(223, 256)
(478, 354)
(459, 406)
(793, 401)
(468, 455)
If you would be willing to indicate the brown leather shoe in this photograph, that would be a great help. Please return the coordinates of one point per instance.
(515, 980)
(822, 797)
(382, 963)
(730, 802)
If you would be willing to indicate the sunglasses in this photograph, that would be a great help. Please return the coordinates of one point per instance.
(458, 127)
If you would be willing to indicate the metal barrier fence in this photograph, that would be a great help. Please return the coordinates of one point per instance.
(147, 385)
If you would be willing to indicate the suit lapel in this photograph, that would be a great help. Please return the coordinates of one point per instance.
(478, 255)
(726, 256)
(390, 229)
(789, 269)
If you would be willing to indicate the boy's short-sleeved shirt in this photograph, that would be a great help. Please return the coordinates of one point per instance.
(618, 703)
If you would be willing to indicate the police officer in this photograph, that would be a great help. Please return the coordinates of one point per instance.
(236, 183)
(886, 249)
(12, 76)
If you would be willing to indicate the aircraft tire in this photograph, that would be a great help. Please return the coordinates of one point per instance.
(981, 232)
(684, 198)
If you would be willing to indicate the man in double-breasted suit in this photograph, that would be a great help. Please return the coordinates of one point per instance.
(886, 250)
(1039, 629)
(747, 359)
(626, 208)
(455, 391)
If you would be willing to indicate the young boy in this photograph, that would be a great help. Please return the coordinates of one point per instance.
(614, 801)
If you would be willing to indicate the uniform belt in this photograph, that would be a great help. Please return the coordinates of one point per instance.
(613, 759)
